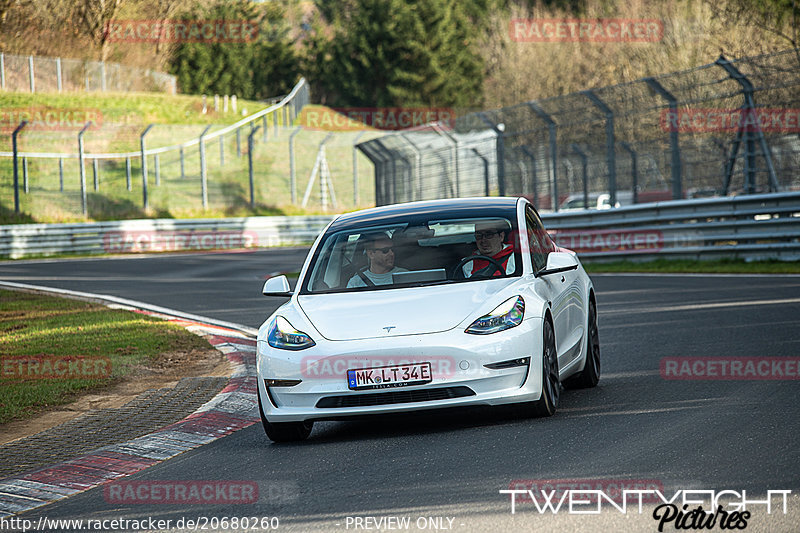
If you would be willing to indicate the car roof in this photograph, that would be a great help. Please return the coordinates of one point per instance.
(426, 210)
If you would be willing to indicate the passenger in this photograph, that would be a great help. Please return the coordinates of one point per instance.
(380, 257)
(490, 239)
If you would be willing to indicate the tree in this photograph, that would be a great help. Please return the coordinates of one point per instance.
(93, 17)
(254, 69)
(385, 53)
(780, 17)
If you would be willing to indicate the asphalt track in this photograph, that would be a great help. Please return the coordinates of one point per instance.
(679, 434)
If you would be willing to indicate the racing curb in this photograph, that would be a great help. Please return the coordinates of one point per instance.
(235, 407)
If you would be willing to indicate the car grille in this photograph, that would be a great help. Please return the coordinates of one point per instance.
(386, 398)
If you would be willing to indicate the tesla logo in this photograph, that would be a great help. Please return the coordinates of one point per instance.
(389, 328)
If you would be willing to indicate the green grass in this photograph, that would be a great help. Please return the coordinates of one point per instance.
(133, 108)
(43, 327)
(173, 196)
(720, 266)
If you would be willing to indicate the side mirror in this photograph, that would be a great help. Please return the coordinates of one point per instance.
(558, 262)
(277, 286)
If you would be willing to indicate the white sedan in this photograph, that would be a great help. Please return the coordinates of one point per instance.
(436, 304)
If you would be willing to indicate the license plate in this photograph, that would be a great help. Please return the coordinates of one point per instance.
(386, 377)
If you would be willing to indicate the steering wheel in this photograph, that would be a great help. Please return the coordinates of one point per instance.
(458, 272)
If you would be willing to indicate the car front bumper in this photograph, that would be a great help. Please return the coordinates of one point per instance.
(458, 359)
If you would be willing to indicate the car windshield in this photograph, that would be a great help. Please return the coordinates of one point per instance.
(417, 253)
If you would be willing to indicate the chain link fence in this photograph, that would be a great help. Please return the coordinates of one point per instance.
(728, 127)
(54, 74)
(262, 162)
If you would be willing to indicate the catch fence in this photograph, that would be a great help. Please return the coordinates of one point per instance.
(727, 127)
(55, 74)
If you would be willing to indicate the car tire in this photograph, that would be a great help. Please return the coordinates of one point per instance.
(590, 375)
(284, 431)
(547, 404)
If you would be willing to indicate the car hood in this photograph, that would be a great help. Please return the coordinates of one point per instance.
(396, 312)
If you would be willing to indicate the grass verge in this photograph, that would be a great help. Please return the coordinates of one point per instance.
(721, 266)
(52, 349)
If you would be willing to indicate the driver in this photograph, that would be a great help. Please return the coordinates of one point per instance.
(490, 239)
(380, 254)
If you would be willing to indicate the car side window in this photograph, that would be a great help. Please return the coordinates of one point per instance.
(538, 239)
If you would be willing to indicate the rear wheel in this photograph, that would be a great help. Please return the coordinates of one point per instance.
(547, 403)
(590, 375)
(284, 431)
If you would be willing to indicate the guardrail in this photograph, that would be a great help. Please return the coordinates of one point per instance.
(758, 226)
(158, 235)
(764, 226)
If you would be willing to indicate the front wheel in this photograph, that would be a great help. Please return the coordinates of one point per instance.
(284, 431)
(547, 403)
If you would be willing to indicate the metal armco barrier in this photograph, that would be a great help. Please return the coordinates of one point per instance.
(159, 235)
(762, 226)
(759, 226)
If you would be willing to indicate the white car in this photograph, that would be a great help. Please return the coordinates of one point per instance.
(388, 316)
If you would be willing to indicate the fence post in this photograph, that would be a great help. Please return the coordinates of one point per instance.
(453, 142)
(144, 165)
(128, 173)
(292, 171)
(634, 171)
(527, 151)
(501, 163)
(417, 167)
(183, 168)
(355, 168)
(221, 151)
(16, 172)
(58, 73)
(238, 142)
(30, 73)
(2, 71)
(585, 166)
(103, 76)
(61, 174)
(157, 162)
(551, 128)
(275, 122)
(611, 156)
(25, 174)
(677, 186)
(96, 172)
(264, 120)
(485, 171)
(82, 168)
(203, 176)
(750, 107)
(250, 165)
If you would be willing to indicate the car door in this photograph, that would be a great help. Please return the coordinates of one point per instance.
(550, 287)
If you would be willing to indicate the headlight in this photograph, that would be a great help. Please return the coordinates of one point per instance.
(506, 315)
(282, 335)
